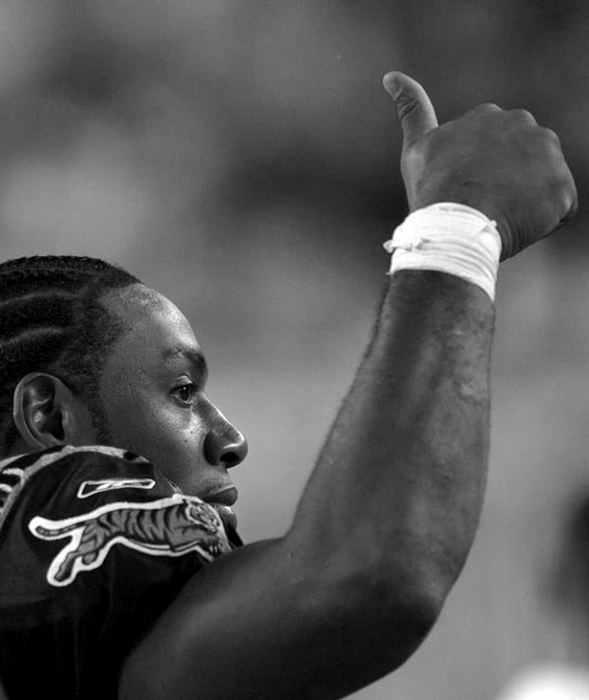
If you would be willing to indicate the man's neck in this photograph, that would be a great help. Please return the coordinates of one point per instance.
(19, 447)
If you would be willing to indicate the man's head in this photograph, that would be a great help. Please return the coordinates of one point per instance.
(90, 355)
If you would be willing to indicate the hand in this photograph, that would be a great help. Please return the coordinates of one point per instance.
(499, 162)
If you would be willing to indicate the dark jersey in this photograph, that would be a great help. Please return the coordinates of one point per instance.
(94, 544)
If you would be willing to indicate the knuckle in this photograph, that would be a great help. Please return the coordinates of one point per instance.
(566, 178)
(548, 143)
(565, 196)
(550, 135)
(486, 108)
(567, 211)
(560, 185)
(571, 197)
(523, 115)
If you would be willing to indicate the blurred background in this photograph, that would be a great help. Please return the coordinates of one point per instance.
(242, 158)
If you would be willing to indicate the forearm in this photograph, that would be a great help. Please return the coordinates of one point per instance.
(399, 484)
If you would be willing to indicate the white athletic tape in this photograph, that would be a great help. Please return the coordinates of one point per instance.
(448, 237)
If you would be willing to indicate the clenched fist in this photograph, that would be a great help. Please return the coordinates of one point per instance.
(499, 162)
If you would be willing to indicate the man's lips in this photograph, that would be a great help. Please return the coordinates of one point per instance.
(221, 501)
(227, 496)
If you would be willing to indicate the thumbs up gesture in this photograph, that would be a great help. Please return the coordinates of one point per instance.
(499, 162)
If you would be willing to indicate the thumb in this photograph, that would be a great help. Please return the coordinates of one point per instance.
(416, 112)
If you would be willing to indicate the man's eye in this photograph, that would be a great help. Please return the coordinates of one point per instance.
(185, 392)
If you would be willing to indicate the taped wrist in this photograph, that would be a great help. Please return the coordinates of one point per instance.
(451, 238)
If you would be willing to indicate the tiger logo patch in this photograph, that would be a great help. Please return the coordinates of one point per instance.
(169, 527)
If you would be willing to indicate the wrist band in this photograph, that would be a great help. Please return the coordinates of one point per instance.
(451, 238)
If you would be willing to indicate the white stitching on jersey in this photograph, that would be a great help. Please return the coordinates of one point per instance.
(50, 458)
(98, 486)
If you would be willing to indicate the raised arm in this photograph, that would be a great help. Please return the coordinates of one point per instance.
(388, 516)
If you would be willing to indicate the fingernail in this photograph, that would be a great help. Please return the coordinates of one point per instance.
(391, 84)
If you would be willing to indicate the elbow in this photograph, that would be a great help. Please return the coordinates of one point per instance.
(402, 608)
(413, 590)
(404, 600)
(410, 584)
(386, 611)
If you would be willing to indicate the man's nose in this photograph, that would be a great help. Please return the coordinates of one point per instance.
(223, 443)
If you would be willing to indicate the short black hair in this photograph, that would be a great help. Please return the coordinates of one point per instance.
(51, 320)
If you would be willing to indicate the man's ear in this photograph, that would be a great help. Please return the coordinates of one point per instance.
(46, 412)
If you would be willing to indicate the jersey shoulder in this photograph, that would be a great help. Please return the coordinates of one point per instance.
(94, 498)
(94, 544)
(90, 471)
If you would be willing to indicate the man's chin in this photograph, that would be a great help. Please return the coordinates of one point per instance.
(226, 514)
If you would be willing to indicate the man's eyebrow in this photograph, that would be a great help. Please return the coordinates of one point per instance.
(194, 356)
